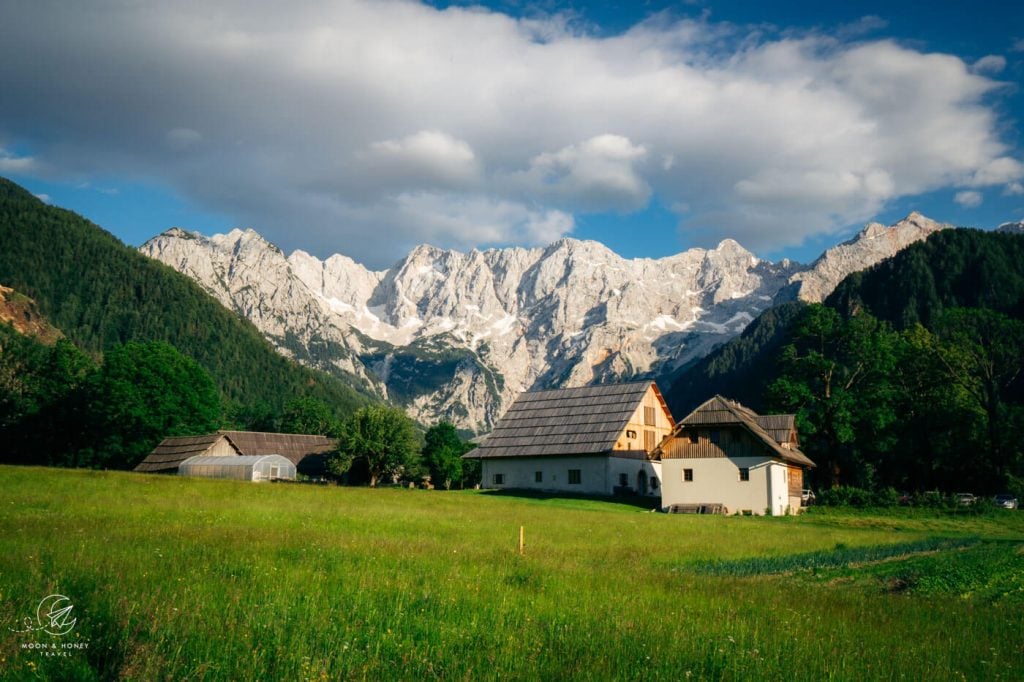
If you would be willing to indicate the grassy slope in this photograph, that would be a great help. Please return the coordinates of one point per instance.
(182, 578)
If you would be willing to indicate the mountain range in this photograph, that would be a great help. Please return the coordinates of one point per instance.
(456, 336)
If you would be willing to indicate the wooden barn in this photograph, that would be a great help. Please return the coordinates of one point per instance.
(724, 455)
(590, 439)
(306, 452)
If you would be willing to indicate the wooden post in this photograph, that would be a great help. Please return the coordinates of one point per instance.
(521, 537)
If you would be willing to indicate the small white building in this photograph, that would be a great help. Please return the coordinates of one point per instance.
(239, 467)
(590, 440)
(725, 455)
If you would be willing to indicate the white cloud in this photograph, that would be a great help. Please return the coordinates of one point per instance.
(11, 163)
(45, 198)
(1000, 171)
(992, 63)
(429, 158)
(969, 198)
(863, 26)
(360, 126)
(597, 174)
(477, 220)
(1014, 189)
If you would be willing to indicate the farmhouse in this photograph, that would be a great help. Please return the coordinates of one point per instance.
(725, 455)
(306, 453)
(591, 439)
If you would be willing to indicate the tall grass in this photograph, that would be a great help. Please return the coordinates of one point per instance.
(216, 580)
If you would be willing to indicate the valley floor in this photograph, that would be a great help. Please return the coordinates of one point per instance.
(174, 578)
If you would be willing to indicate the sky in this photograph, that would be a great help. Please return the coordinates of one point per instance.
(368, 127)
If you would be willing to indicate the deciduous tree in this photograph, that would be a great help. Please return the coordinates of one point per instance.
(384, 437)
(442, 453)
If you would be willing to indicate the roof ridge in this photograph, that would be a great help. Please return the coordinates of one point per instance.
(273, 433)
(640, 382)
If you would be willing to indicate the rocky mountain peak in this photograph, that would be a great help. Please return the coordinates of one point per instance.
(456, 336)
(873, 244)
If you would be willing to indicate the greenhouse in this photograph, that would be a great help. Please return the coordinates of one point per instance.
(242, 467)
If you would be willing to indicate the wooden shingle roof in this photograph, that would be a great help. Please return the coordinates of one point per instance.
(778, 426)
(773, 430)
(294, 446)
(569, 421)
(171, 452)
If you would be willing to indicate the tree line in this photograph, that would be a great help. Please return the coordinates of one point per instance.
(911, 409)
(61, 407)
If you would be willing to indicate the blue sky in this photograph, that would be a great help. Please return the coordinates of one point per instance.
(367, 127)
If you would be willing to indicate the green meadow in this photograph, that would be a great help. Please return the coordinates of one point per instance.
(176, 578)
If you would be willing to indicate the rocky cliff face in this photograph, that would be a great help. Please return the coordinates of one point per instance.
(22, 313)
(457, 336)
(873, 244)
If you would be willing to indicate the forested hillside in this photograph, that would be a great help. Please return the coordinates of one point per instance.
(961, 268)
(908, 376)
(145, 352)
(101, 293)
(740, 368)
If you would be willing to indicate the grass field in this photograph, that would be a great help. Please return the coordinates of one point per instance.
(195, 579)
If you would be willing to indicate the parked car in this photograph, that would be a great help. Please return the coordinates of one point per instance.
(807, 497)
(965, 499)
(1005, 501)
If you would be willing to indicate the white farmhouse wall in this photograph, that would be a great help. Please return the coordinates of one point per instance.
(716, 480)
(520, 473)
(598, 475)
(631, 468)
(778, 490)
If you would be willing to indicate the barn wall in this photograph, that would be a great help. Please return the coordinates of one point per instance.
(733, 441)
(796, 488)
(221, 448)
(638, 425)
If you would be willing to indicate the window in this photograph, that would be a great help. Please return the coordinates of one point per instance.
(716, 436)
(688, 475)
(575, 477)
(623, 479)
(498, 479)
(693, 436)
(649, 416)
(744, 474)
(538, 476)
(630, 434)
(650, 440)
